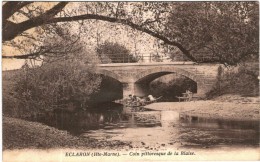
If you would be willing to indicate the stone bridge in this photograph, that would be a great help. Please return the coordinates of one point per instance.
(135, 77)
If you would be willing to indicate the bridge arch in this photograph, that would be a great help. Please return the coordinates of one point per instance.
(145, 77)
(111, 74)
(151, 74)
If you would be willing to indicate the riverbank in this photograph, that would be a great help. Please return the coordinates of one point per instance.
(224, 107)
(22, 134)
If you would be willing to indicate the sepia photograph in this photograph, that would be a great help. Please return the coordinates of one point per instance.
(130, 81)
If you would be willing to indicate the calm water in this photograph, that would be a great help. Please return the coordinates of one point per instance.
(155, 129)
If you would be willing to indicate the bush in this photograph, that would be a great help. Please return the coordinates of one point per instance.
(242, 81)
(67, 83)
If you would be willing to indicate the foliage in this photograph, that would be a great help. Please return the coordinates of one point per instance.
(63, 78)
(243, 81)
(109, 52)
(225, 32)
(10, 102)
(67, 83)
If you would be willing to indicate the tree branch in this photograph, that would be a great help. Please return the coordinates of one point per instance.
(25, 56)
(16, 29)
(53, 11)
(41, 21)
(9, 8)
(124, 22)
(11, 30)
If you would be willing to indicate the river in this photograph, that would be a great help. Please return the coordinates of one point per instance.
(155, 130)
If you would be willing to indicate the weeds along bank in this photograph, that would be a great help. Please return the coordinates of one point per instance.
(64, 84)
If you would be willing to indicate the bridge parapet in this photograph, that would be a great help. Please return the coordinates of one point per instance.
(138, 75)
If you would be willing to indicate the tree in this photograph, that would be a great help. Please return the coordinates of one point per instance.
(223, 31)
(109, 52)
(109, 11)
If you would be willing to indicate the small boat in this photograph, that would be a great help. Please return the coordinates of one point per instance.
(133, 104)
(140, 103)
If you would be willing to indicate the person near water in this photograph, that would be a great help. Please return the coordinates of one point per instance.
(130, 97)
(189, 94)
(151, 98)
(139, 100)
(188, 91)
(142, 101)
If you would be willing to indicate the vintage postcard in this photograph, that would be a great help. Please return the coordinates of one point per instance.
(130, 81)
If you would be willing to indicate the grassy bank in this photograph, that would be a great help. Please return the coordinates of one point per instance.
(227, 107)
(20, 134)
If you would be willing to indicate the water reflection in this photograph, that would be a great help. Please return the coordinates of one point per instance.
(196, 130)
(207, 122)
(102, 118)
(163, 128)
